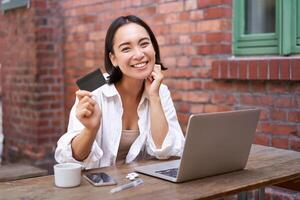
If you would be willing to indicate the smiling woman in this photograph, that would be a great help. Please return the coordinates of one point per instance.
(114, 71)
(132, 116)
(133, 52)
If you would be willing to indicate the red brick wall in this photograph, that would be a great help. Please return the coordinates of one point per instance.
(32, 81)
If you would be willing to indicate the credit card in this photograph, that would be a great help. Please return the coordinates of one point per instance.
(91, 81)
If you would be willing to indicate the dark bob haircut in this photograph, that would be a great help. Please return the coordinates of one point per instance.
(115, 73)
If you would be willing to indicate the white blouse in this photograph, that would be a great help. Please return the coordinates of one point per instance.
(105, 147)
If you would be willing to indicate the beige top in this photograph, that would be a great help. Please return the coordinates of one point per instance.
(127, 138)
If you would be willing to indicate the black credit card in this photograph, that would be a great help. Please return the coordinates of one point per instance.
(91, 81)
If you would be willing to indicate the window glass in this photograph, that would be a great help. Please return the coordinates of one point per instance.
(298, 20)
(260, 16)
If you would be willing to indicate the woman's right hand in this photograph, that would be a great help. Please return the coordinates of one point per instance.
(87, 110)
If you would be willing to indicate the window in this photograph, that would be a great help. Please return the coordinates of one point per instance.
(297, 22)
(12, 4)
(266, 27)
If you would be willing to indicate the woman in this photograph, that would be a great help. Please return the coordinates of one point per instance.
(132, 116)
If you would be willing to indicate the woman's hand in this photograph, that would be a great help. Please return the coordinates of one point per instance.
(153, 82)
(87, 110)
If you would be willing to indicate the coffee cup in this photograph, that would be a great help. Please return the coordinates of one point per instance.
(67, 174)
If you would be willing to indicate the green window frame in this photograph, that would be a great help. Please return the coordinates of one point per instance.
(284, 41)
(296, 47)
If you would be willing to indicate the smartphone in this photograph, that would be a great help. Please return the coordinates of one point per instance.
(91, 81)
(99, 178)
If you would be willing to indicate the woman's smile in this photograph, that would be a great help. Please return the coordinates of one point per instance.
(140, 65)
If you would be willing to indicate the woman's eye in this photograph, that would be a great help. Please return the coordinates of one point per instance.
(125, 49)
(144, 44)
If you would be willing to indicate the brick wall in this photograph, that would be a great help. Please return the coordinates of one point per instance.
(32, 81)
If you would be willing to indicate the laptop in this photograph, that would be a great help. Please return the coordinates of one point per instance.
(216, 143)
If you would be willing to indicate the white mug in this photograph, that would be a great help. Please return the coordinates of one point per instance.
(67, 174)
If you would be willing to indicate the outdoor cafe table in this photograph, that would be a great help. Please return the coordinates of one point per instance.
(266, 166)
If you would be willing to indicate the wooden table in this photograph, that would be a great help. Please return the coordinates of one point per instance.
(266, 166)
(13, 172)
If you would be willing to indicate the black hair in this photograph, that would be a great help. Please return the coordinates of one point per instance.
(115, 73)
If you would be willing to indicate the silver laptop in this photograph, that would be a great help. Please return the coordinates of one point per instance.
(216, 143)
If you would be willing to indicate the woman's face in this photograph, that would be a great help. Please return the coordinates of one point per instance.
(133, 51)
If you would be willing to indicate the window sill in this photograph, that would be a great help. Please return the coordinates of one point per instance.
(257, 68)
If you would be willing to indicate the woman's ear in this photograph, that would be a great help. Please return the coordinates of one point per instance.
(113, 60)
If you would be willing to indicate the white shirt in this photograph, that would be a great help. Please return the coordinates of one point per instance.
(105, 147)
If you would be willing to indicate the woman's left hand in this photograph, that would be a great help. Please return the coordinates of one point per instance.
(153, 81)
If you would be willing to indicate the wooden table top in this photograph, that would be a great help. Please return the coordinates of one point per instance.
(13, 172)
(266, 166)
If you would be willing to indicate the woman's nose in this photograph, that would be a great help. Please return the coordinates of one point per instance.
(138, 54)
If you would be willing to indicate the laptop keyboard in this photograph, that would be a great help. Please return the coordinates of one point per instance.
(169, 172)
